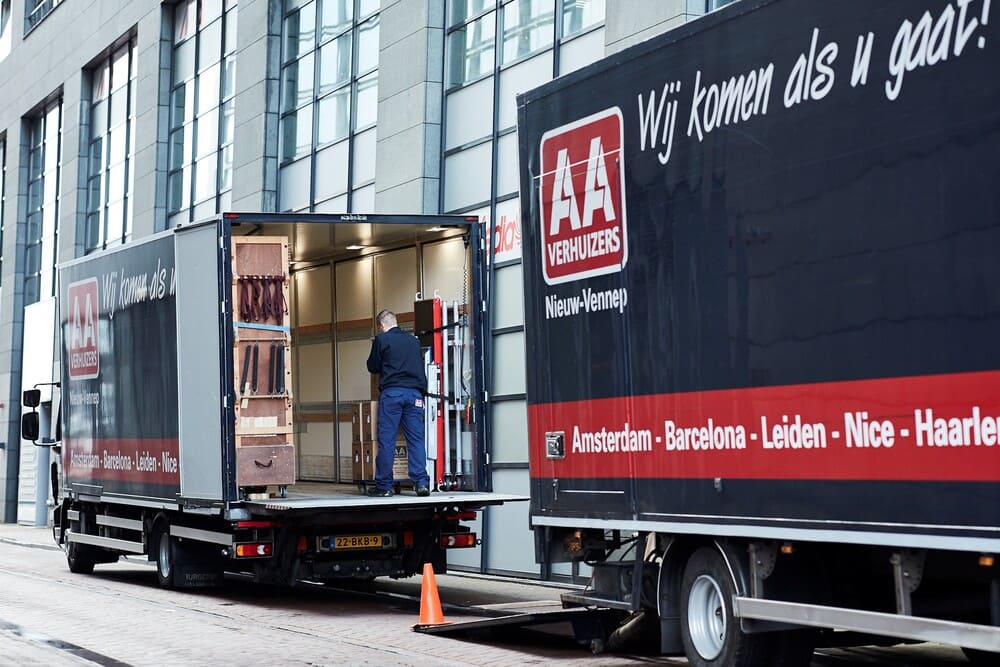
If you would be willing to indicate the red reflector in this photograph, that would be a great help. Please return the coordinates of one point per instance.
(253, 550)
(303, 543)
(407, 538)
(460, 516)
(255, 524)
(458, 540)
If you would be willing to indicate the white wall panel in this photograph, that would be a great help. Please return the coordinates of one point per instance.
(581, 51)
(470, 113)
(508, 299)
(353, 378)
(354, 289)
(507, 168)
(294, 194)
(314, 373)
(316, 439)
(331, 171)
(523, 76)
(443, 270)
(510, 432)
(467, 177)
(508, 365)
(312, 297)
(510, 546)
(396, 280)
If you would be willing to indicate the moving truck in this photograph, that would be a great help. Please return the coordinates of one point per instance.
(760, 274)
(214, 391)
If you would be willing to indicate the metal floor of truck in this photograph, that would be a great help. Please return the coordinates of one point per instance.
(330, 495)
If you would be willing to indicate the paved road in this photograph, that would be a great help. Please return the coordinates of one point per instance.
(118, 617)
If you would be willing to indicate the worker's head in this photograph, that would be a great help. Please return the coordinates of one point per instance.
(385, 320)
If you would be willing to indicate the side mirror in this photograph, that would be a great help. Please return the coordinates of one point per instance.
(31, 398)
(29, 426)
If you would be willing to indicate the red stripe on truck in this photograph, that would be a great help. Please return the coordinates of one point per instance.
(144, 460)
(923, 428)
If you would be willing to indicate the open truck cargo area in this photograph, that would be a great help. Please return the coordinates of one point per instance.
(760, 258)
(217, 412)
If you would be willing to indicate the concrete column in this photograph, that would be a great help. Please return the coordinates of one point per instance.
(632, 21)
(411, 70)
(255, 142)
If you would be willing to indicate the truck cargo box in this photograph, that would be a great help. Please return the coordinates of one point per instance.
(760, 270)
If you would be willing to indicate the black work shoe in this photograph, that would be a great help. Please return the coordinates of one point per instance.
(423, 491)
(376, 492)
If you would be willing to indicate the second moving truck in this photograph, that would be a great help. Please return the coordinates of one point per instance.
(762, 321)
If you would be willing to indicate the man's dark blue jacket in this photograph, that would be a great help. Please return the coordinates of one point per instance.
(396, 355)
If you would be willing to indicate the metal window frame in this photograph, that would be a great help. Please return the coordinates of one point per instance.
(190, 153)
(41, 117)
(353, 27)
(105, 172)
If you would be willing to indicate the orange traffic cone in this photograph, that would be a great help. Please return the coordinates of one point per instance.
(430, 603)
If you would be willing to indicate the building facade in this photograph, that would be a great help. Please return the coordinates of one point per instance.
(123, 118)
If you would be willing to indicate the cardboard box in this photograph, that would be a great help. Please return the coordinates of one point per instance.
(364, 422)
(399, 463)
(363, 461)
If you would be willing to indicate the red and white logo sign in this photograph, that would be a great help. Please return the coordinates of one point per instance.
(84, 350)
(583, 198)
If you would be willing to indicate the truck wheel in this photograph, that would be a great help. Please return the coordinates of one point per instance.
(165, 558)
(79, 559)
(711, 634)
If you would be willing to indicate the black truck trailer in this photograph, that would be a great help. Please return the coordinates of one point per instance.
(762, 311)
(179, 415)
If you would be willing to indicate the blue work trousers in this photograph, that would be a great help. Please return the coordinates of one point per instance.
(398, 405)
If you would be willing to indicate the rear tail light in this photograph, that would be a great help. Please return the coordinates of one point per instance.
(458, 540)
(253, 550)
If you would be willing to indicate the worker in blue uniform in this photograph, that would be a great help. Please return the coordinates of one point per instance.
(397, 357)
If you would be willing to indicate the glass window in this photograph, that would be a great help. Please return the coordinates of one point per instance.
(296, 133)
(579, 15)
(335, 64)
(36, 10)
(201, 108)
(471, 50)
(112, 125)
(298, 83)
(462, 10)
(300, 31)
(368, 46)
(334, 116)
(5, 31)
(528, 25)
(337, 15)
(3, 195)
(44, 137)
(329, 94)
(367, 101)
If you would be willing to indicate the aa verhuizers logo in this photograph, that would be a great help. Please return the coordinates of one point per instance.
(582, 198)
(84, 350)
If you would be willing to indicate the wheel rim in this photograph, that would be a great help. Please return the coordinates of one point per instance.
(163, 561)
(706, 617)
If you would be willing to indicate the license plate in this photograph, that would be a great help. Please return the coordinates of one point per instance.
(357, 542)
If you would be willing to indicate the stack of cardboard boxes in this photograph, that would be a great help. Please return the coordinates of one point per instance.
(364, 446)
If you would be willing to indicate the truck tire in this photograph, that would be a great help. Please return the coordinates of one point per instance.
(79, 559)
(165, 558)
(710, 633)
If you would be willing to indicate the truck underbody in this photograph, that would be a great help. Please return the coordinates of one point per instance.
(318, 532)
